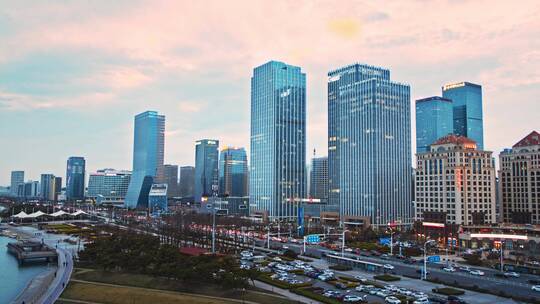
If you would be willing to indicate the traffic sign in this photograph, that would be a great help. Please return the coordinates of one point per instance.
(313, 238)
(434, 258)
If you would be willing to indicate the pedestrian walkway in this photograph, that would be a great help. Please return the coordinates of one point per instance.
(423, 286)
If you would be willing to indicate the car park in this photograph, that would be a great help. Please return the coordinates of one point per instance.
(392, 300)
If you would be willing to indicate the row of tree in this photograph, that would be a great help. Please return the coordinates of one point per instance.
(144, 254)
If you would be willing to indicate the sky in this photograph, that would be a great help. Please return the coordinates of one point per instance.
(74, 73)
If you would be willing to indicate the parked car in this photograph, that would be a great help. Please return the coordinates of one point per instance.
(421, 301)
(354, 298)
(392, 300)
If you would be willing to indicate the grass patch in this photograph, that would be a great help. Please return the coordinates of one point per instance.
(124, 295)
(386, 278)
(448, 291)
(310, 293)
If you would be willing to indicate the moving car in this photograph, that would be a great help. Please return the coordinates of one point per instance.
(449, 269)
(388, 266)
(536, 288)
(477, 272)
(511, 274)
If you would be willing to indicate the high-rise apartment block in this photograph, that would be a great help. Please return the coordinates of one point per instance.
(148, 154)
(75, 175)
(519, 181)
(369, 146)
(434, 119)
(233, 172)
(467, 104)
(455, 183)
(206, 168)
(277, 178)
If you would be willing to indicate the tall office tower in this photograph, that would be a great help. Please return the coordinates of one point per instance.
(187, 181)
(233, 172)
(369, 146)
(467, 102)
(109, 186)
(206, 168)
(148, 153)
(277, 177)
(28, 190)
(434, 119)
(47, 187)
(319, 179)
(170, 177)
(17, 178)
(75, 174)
(519, 181)
(455, 183)
(57, 187)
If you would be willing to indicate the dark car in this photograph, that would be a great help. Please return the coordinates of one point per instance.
(341, 286)
(409, 261)
(455, 300)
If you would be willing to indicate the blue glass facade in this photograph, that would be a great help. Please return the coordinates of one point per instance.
(75, 178)
(233, 172)
(148, 151)
(157, 198)
(47, 185)
(468, 117)
(318, 181)
(278, 140)
(434, 119)
(206, 168)
(369, 149)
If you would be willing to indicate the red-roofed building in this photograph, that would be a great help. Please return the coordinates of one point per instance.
(455, 140)
(519, 181)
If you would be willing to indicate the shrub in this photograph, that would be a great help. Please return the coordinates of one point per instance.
(448, 291)
(386, 278)
(340, 267)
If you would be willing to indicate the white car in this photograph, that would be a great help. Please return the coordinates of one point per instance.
(511, 274)
(536, 288)
(388, 266)
(392, 300)
(477, 272)
(449, 269)
(382, 294)
(421, 301)
(360, 278)
(353, 298)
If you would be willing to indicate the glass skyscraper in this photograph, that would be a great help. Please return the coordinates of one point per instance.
(17, 178)
(434, 119)
(108, 185)
(148, 153)
(75, 178)
(468, 117)
(369, 145)
(233, 172)
(318, 181)
(277, 177)
(187, 181)
(48, 188)
(170, 177)
(206, 168)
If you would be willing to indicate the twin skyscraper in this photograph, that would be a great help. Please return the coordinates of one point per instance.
(369, 150)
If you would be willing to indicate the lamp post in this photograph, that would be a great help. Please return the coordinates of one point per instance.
(343, 241)
(425, 258)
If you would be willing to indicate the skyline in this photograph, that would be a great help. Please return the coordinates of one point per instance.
(74, 85)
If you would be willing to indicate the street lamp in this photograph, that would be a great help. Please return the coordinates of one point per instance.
(425, 258)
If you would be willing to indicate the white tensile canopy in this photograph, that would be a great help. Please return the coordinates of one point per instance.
(58, 213)
(36, 214)
(78, 212)
(21, 214)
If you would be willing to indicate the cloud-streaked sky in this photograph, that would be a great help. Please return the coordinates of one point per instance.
(74, 73)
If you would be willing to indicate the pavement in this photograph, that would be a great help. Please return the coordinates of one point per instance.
(284, 292)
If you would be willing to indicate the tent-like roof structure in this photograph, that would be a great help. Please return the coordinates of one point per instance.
(36, 214)
(78, 212)
(58, 213)
(21, 214)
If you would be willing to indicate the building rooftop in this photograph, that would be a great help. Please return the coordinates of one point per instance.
(454, 139)
(434, 98)
(533, 139)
